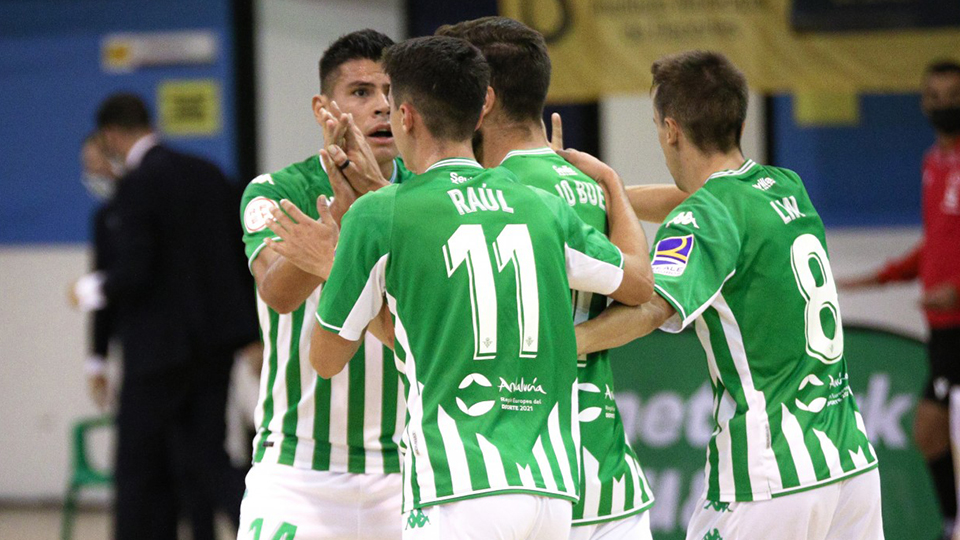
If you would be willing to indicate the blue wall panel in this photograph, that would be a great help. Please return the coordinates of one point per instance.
(51, 84)
(863, 175)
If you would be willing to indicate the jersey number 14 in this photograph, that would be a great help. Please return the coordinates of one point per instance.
(468, 245)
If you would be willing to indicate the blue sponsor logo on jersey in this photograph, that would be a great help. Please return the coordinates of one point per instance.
(671, 255)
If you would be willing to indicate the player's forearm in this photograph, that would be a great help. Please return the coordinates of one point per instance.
(626, 233)
(653, 202)
(283, 286)
(620, 324)
(329, 353)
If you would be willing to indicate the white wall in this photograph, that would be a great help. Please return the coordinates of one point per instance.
(292, 34)
(42, 346)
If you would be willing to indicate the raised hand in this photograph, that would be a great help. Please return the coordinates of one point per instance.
(307, 243)
(593, 167)
(365, 175)
(556, 132)
(335, 161)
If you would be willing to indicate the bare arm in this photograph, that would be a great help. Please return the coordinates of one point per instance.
(623, 229)
(329, 353)
(620, 324)
(281, 284)
(653, 202)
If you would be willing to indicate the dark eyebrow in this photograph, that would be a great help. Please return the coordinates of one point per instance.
(360, 84)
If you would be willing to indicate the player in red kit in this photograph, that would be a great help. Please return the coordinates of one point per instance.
(936, 262)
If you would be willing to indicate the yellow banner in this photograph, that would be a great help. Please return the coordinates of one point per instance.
(603, 47)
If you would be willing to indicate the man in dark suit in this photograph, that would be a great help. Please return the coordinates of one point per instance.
(184, 305)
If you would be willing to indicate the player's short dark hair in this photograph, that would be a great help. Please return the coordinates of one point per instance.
(362, 44)
(445, 78)
(123, 110)
(706, 95)
(942, 67)
(518, 58)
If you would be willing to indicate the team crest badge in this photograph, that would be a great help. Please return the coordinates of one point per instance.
(671, 255)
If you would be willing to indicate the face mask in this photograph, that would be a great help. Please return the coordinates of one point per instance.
(945, 120)
(118, 167)
(100, 186)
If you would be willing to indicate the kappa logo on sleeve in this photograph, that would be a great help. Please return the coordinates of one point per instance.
(257, 213)
(684, 218)
(671, 255)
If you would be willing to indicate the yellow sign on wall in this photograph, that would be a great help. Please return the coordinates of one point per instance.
(189, 107)
(607, 46)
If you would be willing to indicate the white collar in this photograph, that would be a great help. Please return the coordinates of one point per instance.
(747, 165)
(545, 151)
(393, 176)
(140, 149)
(454, 162)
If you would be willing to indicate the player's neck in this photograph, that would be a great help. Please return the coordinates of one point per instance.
(947, 141)
(431, 151)
(703, 165)
(387, 168)
(501, 138)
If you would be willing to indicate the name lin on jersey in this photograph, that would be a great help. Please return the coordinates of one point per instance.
(482, 199)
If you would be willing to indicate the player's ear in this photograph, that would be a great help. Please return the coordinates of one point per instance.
(673, 130)
(407, 115)
(488, 102)
(318, 103)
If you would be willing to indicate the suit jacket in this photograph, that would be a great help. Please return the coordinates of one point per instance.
(104, 253)
(179, 282)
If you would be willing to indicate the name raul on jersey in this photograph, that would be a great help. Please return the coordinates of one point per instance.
(483, 199)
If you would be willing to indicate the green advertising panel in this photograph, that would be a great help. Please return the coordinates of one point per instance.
(665, 400)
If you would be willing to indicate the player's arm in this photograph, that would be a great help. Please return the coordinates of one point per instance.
(653, 202)
(620, 324)
(354, 294)
(905, 268)
(281, 284)
(624, 230)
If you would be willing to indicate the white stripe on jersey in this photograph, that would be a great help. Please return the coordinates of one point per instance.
(263, 312)
(306, 409)
(493, 462)
(863, 429)
(455, 453)
(798, 448)
(372, 393)
(830, 454)
(339, 399)
(526, 477)
(761, 463)
(585, 273)
(592, 485)
(413, 435)
(559, 450)
(619, 494)
(544, 464)
(368, 304)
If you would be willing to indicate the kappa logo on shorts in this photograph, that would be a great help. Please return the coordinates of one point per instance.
(417, 519)
(671, 255)
(717, 506)
(713, 535)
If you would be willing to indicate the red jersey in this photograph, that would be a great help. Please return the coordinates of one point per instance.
(936, 260)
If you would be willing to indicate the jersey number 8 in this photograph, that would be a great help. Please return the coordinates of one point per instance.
(811, 269)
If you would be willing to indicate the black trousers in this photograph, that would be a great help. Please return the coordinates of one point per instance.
(170, 459)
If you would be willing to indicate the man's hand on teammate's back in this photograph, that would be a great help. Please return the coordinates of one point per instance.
(307, 243)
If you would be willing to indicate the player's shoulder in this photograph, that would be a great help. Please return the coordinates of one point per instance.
(379, 202)
(297, 178)
(542, 165)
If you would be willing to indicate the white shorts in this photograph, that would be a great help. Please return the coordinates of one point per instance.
(635, 527)
(309, 505)
(497, 517)
(845, 510)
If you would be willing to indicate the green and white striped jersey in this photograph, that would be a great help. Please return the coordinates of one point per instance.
(746, 258)
(612, 484)
(351, 423)
(475, 268)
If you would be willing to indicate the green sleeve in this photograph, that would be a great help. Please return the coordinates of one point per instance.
(695, 252)
(353, 295)
(259, 197)
(594, 264)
